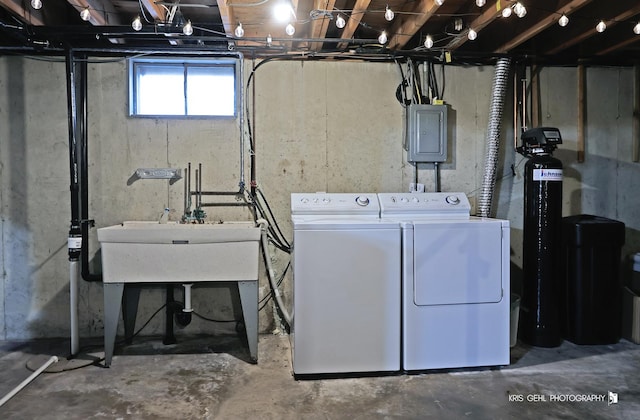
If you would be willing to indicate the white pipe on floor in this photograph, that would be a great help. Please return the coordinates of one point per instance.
(73, 304)
(26, 382)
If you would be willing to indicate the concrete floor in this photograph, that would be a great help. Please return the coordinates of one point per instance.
(210, 378)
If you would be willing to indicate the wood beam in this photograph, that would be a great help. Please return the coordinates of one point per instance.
(541, 25)
(535, 97)
(618, 46)
(16, 6)
(581, 112)
(635, 156)
(319, 27)
(157, 12)
(353, 22)
(96, 19)
(407, 26)
(627, 14)
(489, 15)
(226, 15)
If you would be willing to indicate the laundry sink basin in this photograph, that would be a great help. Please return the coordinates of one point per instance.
(142, 251)
(150, 252)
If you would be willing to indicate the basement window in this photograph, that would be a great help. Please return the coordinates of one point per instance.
(183, 87)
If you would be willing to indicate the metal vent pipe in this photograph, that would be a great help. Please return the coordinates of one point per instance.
(500, 81)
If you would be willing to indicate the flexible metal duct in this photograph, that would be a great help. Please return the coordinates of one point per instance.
(493, 136)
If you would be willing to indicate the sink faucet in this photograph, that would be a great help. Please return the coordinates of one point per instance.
(164, 217)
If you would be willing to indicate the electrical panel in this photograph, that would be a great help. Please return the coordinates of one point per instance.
(426, 139)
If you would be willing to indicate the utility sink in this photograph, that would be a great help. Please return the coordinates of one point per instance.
(142, 252)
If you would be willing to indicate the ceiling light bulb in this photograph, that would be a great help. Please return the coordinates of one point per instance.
(239, 32)
(282, 11)
(472, 35)
(136, 24)
(388, 14)
(85, 14)
(506, 12)
(439, 2)
(428, 42)
(563, 21)
(36, 4)
(383, 38)
(340, 22)
(481, 3)
(520, 10)
(290, 29)
(636, 29)
(600, 27)
(187, 29)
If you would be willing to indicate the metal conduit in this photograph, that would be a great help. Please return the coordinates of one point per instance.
(493, 136)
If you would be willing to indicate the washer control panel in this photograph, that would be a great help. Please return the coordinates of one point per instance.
(334, 203)
(429, 205)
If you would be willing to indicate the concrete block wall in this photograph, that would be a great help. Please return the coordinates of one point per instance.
(318, 126)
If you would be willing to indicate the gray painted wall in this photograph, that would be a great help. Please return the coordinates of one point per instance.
(319, 126)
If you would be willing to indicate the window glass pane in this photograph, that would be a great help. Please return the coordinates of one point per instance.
(210, 91)
(158, 87)
(160, 90)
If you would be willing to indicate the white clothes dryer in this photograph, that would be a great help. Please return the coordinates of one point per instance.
(346, 285)
(455, 277)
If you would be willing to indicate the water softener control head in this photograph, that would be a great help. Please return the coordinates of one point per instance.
(540, 140)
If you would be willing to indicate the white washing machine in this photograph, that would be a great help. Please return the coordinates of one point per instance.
(455, 276)
(346, 285)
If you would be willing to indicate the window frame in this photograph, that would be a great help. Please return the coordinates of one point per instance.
(184, 62)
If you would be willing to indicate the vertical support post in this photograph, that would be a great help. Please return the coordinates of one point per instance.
(581, 112)
(112, 304)
(248, 291)
(535, 96)
(636, 113)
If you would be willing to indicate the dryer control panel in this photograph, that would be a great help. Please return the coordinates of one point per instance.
(441, 205)
(335, 204)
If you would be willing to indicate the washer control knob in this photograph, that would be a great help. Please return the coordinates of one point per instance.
(404, 200)
(415, 200)
(326, 200)
(452, 199)
(304, 200)
(362, 201)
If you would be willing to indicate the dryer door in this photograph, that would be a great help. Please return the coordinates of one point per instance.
(457, 262)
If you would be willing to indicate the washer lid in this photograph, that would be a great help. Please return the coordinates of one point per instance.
(440, 205)
(458, 263)
(335, 204)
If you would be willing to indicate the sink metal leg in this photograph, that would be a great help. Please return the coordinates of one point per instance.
(130, 310)
(112, 305)
(249, 300)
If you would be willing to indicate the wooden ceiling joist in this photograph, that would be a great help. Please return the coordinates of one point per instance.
(409, 25)
(543, 24)
(359, 9)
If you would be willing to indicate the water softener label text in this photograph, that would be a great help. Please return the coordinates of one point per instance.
(547, 174)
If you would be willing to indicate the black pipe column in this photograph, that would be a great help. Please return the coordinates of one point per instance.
(75, 230)
(77, 94)
(78, 159)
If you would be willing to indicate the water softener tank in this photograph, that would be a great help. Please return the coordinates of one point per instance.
(541, 259)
